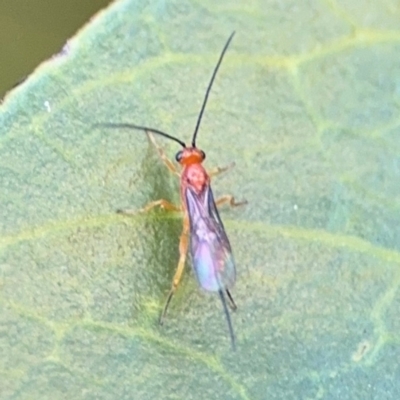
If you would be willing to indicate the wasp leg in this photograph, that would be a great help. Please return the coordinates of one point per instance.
(168, 163)
(231, 301)
(183, 248)
(228, 318)
(219, 170)
(166, 205)
(231, 200)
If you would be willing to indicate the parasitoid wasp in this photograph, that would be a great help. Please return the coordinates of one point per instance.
(210, 249)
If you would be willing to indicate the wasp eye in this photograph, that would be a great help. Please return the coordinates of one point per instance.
(203, 155)
(178, 156)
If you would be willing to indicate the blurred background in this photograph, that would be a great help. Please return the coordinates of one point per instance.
(32, 31)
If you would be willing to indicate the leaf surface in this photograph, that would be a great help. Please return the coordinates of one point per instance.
(306, 104)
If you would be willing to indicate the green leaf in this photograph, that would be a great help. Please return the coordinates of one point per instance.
(306, 104)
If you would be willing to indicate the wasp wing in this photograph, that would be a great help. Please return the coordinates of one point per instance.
(210, 249)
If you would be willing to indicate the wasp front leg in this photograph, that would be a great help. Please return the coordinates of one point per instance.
(219, 170)
(167, 162)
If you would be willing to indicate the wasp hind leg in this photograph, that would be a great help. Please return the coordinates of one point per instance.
(228, 318)
(183, 248)
(232, 303)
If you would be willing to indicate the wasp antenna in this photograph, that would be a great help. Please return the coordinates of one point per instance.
(209, 88)
(140, 128)
(228, 318)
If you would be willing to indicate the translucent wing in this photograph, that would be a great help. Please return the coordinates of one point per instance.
(209, 246)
